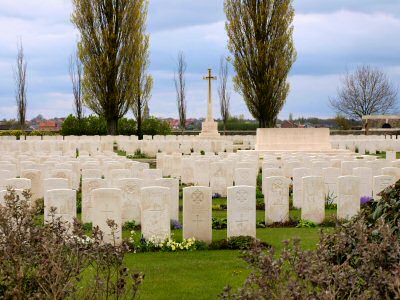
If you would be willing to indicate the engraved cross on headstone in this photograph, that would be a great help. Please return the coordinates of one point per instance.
(241, 222)
(209, 111)
(198, 220)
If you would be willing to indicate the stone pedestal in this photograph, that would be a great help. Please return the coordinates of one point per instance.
(209, 129)
(293, 139)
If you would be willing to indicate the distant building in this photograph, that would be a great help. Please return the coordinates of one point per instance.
(381, 121)
(291, 124)
(50, 126)
(5, 126)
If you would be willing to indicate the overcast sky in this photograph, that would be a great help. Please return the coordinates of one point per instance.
(331, 37)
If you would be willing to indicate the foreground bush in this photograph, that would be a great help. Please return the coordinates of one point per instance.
(359, 260)
(57, 262)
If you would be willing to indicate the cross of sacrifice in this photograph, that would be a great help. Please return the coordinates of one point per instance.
(209, 111)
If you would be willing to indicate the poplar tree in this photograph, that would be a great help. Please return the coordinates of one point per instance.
(260, 36)
(111, 35)
(20, 89)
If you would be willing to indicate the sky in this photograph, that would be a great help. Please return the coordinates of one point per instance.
(331, 37)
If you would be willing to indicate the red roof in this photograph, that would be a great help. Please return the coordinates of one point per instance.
(48, 124)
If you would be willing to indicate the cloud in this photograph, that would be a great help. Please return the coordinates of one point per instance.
(329, 43)
(329, 6)
(331, 37)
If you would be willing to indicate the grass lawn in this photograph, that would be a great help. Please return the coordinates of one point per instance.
(204, 274)
(187, 275)
(383, 155)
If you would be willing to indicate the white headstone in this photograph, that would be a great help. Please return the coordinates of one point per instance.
(241, 211)
(276, 199)
(63, 173)
(330, 176)
(365, 175)
(19, 183)
(391, 171)
(391, 155)
(130, 188)
(116, 175)
(64, 202)
(150, 174)
(298, 174)
(197, 213)
(245, 176)
(36, 182)
(380, 183)
(54, 184)
(313, 205)
(155, 222)
(269, 172)
(91, 173)
(4, 175)
(348, 204)
(88, 185)
(201, 175)
(173, 185)
(107, 206)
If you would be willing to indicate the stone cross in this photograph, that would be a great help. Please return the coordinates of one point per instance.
(209, 111)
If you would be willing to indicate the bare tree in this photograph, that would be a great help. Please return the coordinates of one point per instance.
(76, 74)
(367, 91)
(180, 86)
(223, 92)
(20, 86)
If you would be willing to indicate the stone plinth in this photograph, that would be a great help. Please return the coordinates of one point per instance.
(209, 129)
(293, 139)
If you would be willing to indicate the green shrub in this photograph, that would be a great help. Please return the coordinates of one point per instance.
(306, 224)
(260, 204)
(130, 225)
(360, 259)
(126, 126)
(154, 126)
(219, 223)
(236, 243)
(387, 208)
(94, 125)
(52, 262)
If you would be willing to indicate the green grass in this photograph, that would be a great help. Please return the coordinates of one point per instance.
(187, 275)
(204, 274)
(383, 155)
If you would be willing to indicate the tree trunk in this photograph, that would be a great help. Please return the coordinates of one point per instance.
(112, 126)
(139, 128)
(224, 128)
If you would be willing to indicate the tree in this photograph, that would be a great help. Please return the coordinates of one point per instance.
(143, 84)
(260, 36)
(342, 122)
(180, 87)
(367, 91)
(20, 86)
(76, 75)
(111, 33)
(223, 93)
